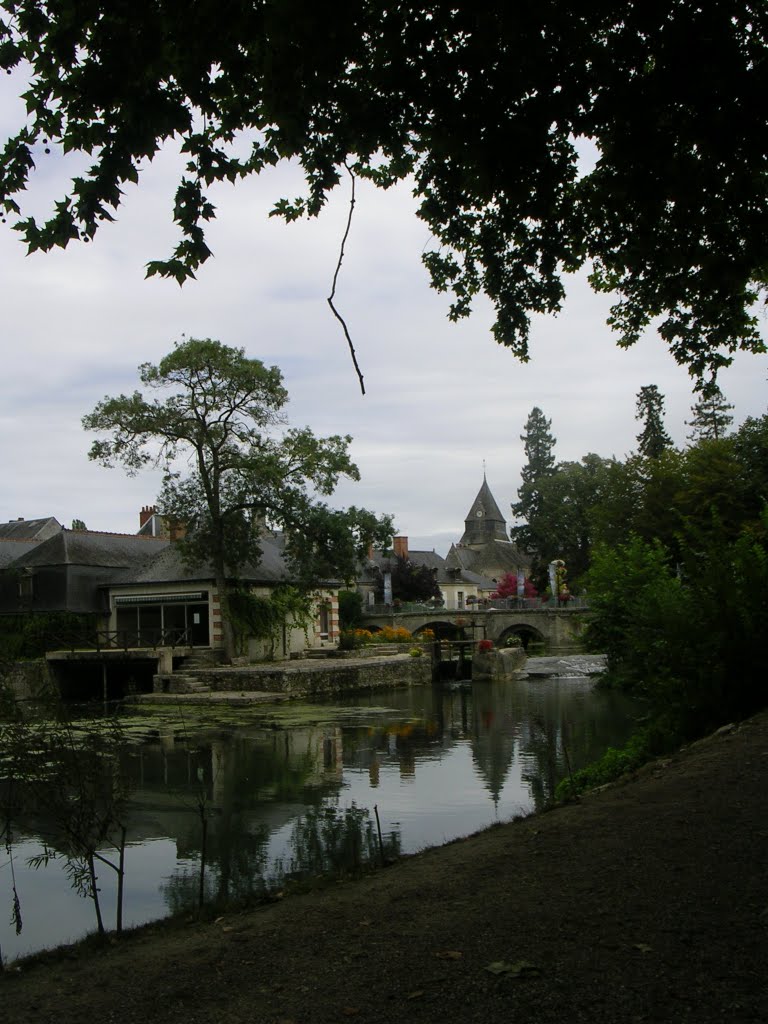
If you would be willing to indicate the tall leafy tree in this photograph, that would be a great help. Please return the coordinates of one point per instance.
(223, 412)
(678, 562)
(689, 638)
(672, 218)
(412, 582)
(713, 487)
(653, 438)
(710, 416)
(539, 447)
(350, 609)
(750, 446)
(565, 526)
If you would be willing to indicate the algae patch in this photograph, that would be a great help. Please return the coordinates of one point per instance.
(169, 719)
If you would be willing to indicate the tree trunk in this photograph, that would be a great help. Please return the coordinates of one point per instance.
(227, 636)
(203, 853)
(120, 882)
(95, 893)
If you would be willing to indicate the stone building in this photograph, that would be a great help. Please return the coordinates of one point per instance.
(137, 589)
(485, 548)
(474, 565)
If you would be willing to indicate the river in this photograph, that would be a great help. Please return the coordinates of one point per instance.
(292, 789)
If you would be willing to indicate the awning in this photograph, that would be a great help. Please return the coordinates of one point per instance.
(198, 595)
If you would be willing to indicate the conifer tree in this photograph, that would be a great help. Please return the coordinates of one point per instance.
(539, 447)
(711, 417)
(653, 438)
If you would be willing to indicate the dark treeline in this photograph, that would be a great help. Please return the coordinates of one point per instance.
(672, 549)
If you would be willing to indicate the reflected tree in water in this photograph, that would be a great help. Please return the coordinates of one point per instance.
(544, 725)
(237, 862)
(493, 742)
(251, 785)
(331, 840)
(67, 778)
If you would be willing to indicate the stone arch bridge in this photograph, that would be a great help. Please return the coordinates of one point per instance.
(558, 629)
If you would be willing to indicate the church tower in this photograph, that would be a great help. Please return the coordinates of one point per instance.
(484, 521)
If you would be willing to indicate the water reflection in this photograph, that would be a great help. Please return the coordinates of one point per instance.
(293, 790)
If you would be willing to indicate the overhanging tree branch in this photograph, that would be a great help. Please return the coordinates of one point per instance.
(330, 298)
(481, 108)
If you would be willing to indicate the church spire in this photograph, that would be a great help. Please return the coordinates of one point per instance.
(484, 522)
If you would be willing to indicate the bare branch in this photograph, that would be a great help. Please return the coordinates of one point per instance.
(330, 298)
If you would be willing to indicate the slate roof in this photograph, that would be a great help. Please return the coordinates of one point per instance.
(30, 529)
(447, 573)
(83, 547)
(487, 503)
(484, 521)
(429, 558)
(475, 578)
(13, 549)
(498, 556)
(384, 562)
(135, 560)
(169, 567)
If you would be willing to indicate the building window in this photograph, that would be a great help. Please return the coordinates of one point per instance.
(460, 600)
(165, 620)
(25, 584)
(325, 621)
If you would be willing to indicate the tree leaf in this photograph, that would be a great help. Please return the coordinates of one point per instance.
(513, 970)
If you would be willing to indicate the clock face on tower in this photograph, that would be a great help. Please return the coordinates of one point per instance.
(479, 513)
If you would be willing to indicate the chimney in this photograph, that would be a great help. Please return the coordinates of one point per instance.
(146, 514)
(400, 545)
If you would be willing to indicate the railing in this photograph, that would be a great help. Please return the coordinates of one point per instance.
(497, 604)
(405, 608)
(121, 640)
(533, 604)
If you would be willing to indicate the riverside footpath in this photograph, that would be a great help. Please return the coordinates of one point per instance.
(644, 902)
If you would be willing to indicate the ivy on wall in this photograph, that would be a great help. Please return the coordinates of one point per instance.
(264, 618)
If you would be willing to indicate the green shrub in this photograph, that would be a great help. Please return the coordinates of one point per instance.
(350, 609)
(641, 747)
(688, 639)
(349, 640)
(30, 636)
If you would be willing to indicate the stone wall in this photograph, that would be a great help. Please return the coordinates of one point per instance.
(499, 665)
(29, 680)
(333, 675)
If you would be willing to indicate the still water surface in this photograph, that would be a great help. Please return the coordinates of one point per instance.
(290, 789)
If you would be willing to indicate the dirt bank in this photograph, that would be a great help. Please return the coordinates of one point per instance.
(646, 902)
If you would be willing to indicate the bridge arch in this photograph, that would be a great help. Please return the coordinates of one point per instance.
(443, 629)
(556, 629)
(528, 635)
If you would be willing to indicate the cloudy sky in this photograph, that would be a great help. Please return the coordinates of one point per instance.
(442, 401)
